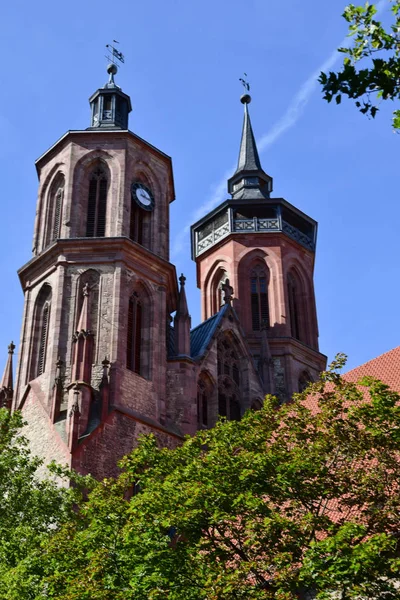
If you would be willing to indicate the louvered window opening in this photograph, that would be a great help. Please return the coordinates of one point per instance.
(97, 205)
(43, 339)
(57, 214)
(134, 341)
(136, 224)
(293, 308)
(259, 302)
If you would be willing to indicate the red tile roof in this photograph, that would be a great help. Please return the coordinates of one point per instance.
(385, 367)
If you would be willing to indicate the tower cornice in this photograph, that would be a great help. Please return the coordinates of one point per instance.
(101, 251)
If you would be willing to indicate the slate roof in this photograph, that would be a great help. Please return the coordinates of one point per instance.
(201, 335)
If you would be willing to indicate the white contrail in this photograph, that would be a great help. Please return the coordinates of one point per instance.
(290, 117)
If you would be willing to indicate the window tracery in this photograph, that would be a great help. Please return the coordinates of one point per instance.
(229, 379)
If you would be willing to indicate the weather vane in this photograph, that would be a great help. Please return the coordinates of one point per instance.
(115, 54)
(244, 82)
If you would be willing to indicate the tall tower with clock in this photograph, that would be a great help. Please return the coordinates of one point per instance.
(99, 291)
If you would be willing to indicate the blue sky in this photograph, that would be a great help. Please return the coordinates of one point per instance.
(183, 63)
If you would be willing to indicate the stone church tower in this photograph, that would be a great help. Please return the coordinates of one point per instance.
(266, 247)
(98, 292)
(101, 359)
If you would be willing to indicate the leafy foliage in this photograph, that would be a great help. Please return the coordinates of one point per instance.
(379, 51)
(292, 498)
(30, 509)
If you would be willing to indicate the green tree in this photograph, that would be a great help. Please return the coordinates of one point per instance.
(292, 498)
(30, 509)
(371, 67)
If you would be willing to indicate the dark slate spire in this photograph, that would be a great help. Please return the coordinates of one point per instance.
(248, 155)
(110, 106)
(249, 181)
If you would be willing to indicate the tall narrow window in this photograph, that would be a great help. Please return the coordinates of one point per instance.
(44, 332)
(97, 204)
(205, 388)
(40, 332)
(259, 299)
(54, 209)
(134, 341)
(293, 291)
(136, 223)
(57, 214)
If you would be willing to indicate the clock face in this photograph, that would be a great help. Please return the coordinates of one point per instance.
(142, 196)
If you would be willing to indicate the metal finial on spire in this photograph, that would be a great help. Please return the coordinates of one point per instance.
(113, 56)
(246, 98)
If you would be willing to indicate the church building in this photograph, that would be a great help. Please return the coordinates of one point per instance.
(106, 349)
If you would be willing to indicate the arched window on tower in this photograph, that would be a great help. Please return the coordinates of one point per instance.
(259, 278)
(54, 209)
(229, 379)
(204, 392)
(40, 332)
(217, 294)
(138, 334)
(97, 203)
(304, 379)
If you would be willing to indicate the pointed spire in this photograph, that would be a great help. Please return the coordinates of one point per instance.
(83, 341)
(84, 318)
(248, 155)
(182, 322)
(249, 182)
(182, 310)
(7, 379)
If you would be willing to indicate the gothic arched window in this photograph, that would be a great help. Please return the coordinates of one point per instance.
(138, 335)
(304, 380)
(41, 332)
(54, 209)
(229, 379)
(217, 294)
(97, 203)
(259, 297)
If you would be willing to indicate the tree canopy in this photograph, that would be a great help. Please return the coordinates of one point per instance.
(292, 499)
(29, 508)
(371, 67)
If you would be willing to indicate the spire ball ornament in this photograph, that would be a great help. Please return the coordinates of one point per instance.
(112, 69)
(245, 99)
